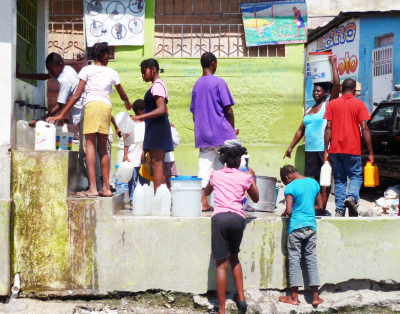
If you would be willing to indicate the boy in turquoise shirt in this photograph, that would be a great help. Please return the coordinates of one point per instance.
(302, 200)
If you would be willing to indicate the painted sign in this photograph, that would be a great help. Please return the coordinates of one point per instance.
(275, 22)
(119, 23)
(343, 41)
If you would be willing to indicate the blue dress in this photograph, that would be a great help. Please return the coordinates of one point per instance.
(158, 130)
(300, 21)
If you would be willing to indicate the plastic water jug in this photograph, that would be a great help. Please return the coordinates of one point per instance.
(139, 201)
(125, 172)
(25, 136)
(162, 202)
(120, 153)
(145, 169)
(64, 138)
(149, 196)
(119, 186)
(124, 123)
(321, 68)
(45, 138)
(326, 175)
(369, 175)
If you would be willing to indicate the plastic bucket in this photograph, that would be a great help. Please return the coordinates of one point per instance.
(183, 182)
(64, 140)
(267, 191)
(186, 202)
(321, 68)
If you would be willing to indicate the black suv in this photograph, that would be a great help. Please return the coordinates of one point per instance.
(385, 137)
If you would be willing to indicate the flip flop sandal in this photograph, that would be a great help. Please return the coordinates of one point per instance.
(248, 208)
(85, 195)
(209, 209)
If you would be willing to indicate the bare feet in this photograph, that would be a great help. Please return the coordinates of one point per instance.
(289, 299)
(317, 301)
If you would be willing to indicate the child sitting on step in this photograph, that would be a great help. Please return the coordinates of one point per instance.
(302, 200)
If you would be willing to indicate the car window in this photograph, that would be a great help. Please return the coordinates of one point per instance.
(383, 119)
(396, 126)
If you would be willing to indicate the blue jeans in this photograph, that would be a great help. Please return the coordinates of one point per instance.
(343, 166)
(133, 182)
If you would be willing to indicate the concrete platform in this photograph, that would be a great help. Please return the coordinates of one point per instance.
(61, 243)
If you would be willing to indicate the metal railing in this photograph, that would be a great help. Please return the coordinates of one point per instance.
(183, 40)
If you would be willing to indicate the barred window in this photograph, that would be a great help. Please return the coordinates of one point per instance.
(66, 29)
(188, 28)
(27, 36)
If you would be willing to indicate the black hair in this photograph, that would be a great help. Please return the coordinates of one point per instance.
(54, 59)
(99, 50)
(150, 63)
(286, 170)
(231, 156)
(348, 85)
(137, 105)
(324, 85)
(206, 59)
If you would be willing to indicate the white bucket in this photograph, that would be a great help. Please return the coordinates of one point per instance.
(186, 202)
(185, 182)
(45, 138)
(321, 68)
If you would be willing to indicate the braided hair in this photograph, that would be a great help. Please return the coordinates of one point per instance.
(286, 170)
(99, 50)
(150, 63)
(231, 156)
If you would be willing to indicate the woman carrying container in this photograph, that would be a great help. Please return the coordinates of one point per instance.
(158, 136)
(313, 128)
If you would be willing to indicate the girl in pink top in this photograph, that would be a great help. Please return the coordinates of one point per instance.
(229, 185)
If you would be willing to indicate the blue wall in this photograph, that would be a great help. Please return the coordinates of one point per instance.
(371, 27)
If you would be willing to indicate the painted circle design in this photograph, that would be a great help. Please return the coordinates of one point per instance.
(94, 8)
(116, 10)
(122, 31)
(136, 29)
(97, 29)
(136, 6)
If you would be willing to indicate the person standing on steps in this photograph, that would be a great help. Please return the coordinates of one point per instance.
(313, 129)
(96, 80)
(158, 136)
(346, 116)
(214, 122)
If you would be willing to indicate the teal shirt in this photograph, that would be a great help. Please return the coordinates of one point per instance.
(314, 130)
(304, 192)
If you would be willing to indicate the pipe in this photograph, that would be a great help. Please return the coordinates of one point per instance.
(16, 286)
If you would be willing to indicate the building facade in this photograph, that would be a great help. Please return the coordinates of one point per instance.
(366, 45)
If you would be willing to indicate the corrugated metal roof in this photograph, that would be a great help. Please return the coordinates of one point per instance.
(342, 17)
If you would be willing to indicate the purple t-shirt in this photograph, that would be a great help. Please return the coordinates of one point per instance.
(209, 97)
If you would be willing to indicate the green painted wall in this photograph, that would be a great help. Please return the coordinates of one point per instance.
(268, 93)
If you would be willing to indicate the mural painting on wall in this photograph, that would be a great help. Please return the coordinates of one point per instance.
(275, 22)
(344, 43)
(120, 23)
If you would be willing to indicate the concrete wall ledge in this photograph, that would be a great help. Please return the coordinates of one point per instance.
(107, 249)
(127, 253)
